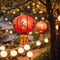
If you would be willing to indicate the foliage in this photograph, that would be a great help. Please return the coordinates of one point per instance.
(36, 35)
(2, 37)
(16, 42)
(10, 16)
(43, 44)
(33, 45)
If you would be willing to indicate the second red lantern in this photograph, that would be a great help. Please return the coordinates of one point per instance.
(41, 26)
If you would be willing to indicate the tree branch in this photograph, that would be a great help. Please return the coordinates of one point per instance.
(42, 2)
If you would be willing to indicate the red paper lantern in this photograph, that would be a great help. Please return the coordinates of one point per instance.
(23, 24)
(41, 26)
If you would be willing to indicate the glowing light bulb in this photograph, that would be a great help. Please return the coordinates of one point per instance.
(26, 47)
(14, 12)
(30, 33)
(46, 40)
(29, 54)
(59, 18)
(7, 30)
(11, 32)
(33, 10)
(20, 50)
(13, 53)
(2, 47)
(38, 43)
(38, 6)
(36, 18)
(43, 18)
(3, 53)
(33, 4)
(6, 19)
(57, 27)
(40, 12)
(28, 7)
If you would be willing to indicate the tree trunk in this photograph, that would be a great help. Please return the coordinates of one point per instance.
(57, 45)
(52, 29)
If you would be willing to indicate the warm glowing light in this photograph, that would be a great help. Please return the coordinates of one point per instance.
(26, 47)
(13, 53)
(29, 54)
(20, 50)
(38, 43)
(33, 10)
(2, 47)
(14, 12)
(36, 18)
(40, 12)
(57, 27)
(30, 33)
(39, 2)
(3, 53)
(28, 7)
(59, 18)
(11, 32)
(7, 30)
(38, 6)
(43, 18)
(10, 23)
(17, 9)
(46, 40)
(33, 4)
(6, 19)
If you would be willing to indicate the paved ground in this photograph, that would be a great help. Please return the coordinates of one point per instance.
(36, 52)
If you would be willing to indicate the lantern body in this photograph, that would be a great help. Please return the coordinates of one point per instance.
(41, 26)
(23, 24)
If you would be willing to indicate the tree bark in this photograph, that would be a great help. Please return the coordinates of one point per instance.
(57, 44)
(52, 29)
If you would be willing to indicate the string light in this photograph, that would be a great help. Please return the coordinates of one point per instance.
(6, 19)
(28, 7)
(26, 47)
(36, 18)
(29, 54)
(30, 33)
(20, 50)
(33, 10)
(13, 53)
(11, 32)
(2, 47)
(3, 54)
(57, 27)
(33, 4)
(7, 30)
(38, 43)
(14, 12)
(59, 18)
(38, 6)
(46, 40)
(40, 12)
(43, 18)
